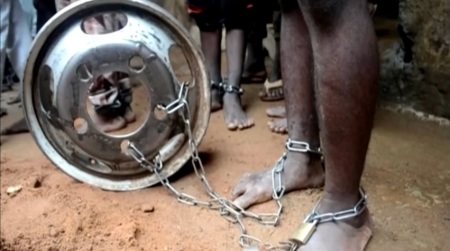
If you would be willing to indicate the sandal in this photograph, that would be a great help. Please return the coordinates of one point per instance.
(16, 100)
(272, 91)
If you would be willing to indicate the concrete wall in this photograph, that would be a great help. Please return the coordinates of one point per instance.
(416, 71)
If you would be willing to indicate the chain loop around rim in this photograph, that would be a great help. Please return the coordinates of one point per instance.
(227, 209)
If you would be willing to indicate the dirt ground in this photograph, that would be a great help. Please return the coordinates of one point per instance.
(407, 178)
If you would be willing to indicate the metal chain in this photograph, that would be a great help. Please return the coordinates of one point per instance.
(357, 210)
(302, 147)
(228, 210)
(231, 89)
(226, 88)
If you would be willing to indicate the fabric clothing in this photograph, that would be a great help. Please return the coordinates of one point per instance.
(15, 37)
(266, 12)
(212, 15)
(45, 10)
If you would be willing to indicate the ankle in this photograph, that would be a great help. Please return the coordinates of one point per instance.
(311, 162)
(274, 78)
(333, 203)
(231, 97)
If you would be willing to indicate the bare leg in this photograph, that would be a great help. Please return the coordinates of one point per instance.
(346, 67)
(254, 63)
(254, 67)
(235, 117)
(275, 75)
(211, 49)
(301, 170)
(274, 93)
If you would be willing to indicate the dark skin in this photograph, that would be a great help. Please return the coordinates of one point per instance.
(338, 62)
(279, 122)
(235, 117)
(212, 52)
(254, 63)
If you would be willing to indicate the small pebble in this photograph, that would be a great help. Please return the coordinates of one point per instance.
(146, 208)
(53, 232)
(14, 190)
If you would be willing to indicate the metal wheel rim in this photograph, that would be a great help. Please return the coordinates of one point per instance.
(194, 58)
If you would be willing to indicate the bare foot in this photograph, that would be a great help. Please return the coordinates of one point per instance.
(109, 125)
(349, 235)
(235, 117)
(216, 100)
(276, 112)
(300, 171)
(278, 125)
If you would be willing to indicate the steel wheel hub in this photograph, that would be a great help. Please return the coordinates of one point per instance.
(64, 63)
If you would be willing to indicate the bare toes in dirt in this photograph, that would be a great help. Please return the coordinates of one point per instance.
(235, 117)
(276, 112)
(278, 126)
(300, 171)
(341, 236)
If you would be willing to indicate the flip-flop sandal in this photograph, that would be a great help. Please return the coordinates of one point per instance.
(15, 100)
(272, 92)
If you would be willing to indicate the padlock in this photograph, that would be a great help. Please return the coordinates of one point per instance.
(304, 233)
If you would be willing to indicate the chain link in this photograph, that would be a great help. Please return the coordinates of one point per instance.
(302, 147)
(357, 210)
(227, 209)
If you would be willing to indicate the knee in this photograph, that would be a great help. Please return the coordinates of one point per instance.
(323, 12)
